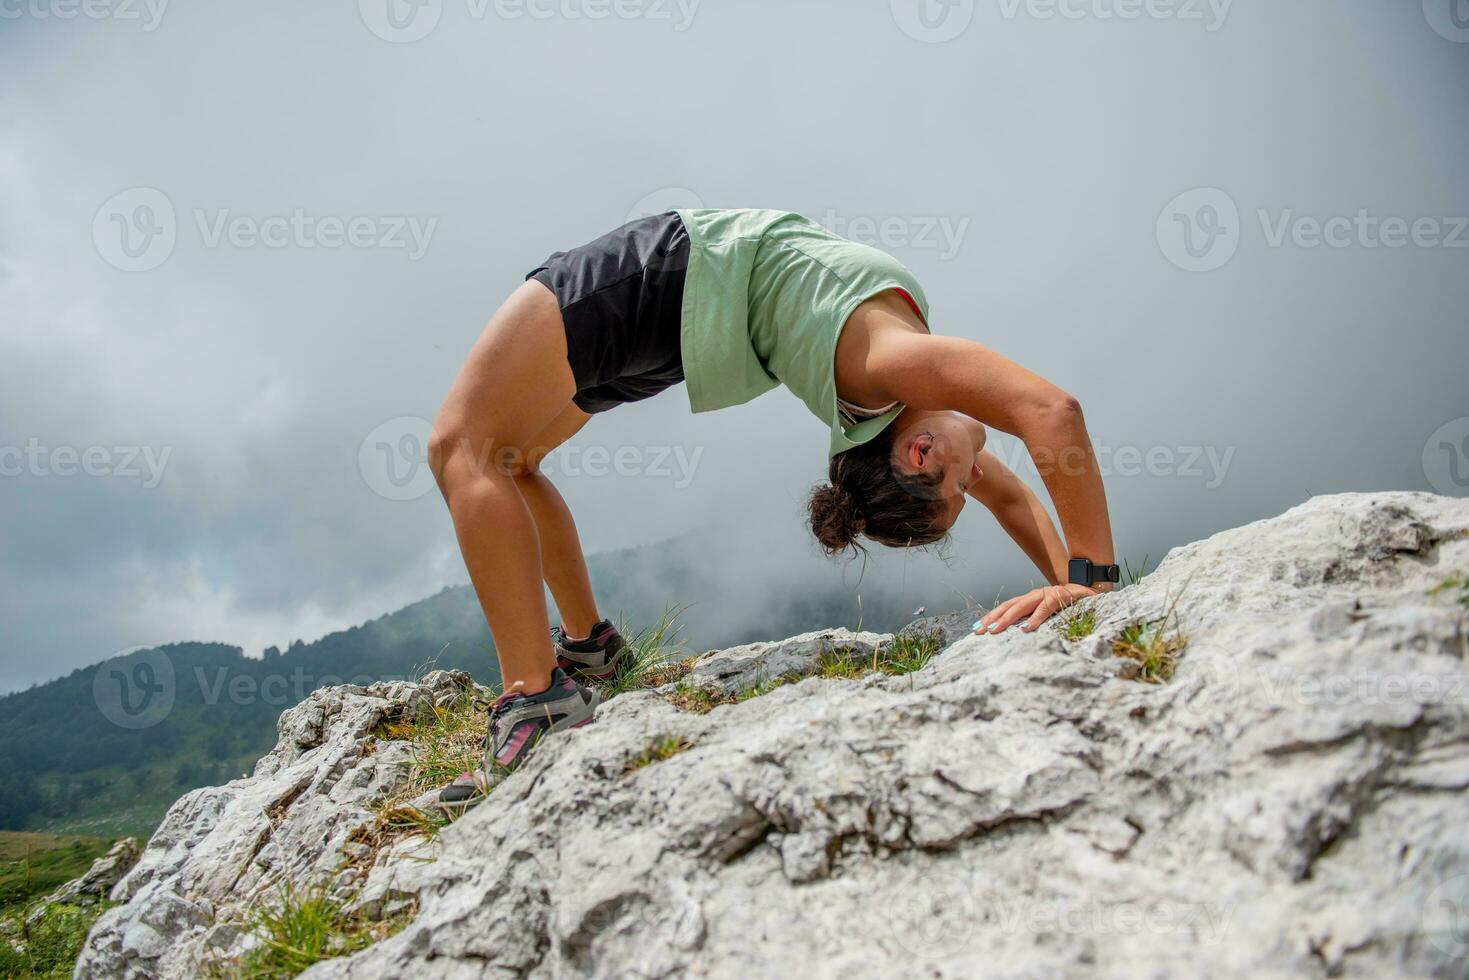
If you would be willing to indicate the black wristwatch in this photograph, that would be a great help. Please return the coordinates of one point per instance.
(1081, 571)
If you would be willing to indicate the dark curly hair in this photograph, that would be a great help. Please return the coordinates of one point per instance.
(869, 496)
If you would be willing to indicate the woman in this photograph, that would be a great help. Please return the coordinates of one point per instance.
(734, 303)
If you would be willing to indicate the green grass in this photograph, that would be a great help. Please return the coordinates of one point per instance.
(1078, 624)
(1449, 586)
(48, 948)
(908, 652)
(302, 927)
(658, 750)
(652, 659)
(1154, 646)
(31, 864)
(1134, 576)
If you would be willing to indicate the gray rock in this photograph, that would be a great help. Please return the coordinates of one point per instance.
(221, 849)
(99, 879)
(1291, 803)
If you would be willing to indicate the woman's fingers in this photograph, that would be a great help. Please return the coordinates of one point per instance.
(992, 618)
(1039, 606)
(1049, 606)
(1008, 613)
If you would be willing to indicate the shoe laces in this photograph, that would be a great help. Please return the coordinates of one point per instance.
(495, 709)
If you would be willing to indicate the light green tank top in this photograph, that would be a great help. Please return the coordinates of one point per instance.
(766, 296)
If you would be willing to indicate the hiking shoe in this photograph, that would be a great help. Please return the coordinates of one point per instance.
(595, 658)
(517, 723)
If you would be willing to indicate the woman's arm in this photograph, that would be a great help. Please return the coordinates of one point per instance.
(1020, 512)
(939, 373)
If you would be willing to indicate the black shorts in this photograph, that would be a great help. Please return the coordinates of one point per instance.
(621, 300)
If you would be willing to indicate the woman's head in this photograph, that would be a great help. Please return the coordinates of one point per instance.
(903, 489)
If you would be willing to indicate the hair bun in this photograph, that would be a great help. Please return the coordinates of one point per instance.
(836, 519)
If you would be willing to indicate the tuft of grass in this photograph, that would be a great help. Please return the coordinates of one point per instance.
(1078, 624)
(699, 700)
(302, 927)
(658, 750)
(843, 663)
(445, 743)
(1154, 645)
(908, 652)
(651, 660)
(1459, 584)
(1137, 575)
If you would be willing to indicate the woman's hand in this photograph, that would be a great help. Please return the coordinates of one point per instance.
(1039, 604)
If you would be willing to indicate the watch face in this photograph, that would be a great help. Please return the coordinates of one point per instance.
(1079, 571)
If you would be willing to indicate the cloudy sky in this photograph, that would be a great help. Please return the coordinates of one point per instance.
(243, 247)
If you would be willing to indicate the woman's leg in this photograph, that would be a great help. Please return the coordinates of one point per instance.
(562, 561)
(515, 382)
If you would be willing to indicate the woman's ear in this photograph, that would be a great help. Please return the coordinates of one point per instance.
(917, 449)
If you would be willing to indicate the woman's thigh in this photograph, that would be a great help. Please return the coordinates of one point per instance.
(514, 385)
(566, 425)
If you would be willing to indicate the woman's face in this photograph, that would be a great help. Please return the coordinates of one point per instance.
(942, 445)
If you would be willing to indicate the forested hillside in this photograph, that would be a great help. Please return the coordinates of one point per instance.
(69, 763)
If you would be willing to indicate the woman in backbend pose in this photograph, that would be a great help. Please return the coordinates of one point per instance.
(734, 303)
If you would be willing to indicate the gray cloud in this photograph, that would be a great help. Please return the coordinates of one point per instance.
(1038, 153)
